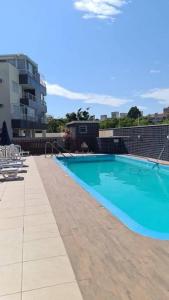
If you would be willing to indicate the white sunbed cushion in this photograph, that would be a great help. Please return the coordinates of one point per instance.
(9, 170)
(10, 164)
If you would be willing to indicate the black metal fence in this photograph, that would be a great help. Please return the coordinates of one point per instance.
(36, 146)
(145, 141)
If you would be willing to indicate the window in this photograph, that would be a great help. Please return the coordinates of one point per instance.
(116, 141)
(1, 80)
(83, 129)
(21, 64)
(42, 97)
(30, 68)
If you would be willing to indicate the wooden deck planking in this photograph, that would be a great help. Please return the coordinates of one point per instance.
(110, 261)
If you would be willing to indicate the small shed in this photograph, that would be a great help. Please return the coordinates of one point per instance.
(83, 132)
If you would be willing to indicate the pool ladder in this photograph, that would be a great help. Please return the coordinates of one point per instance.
(57, 147)
(161, 153)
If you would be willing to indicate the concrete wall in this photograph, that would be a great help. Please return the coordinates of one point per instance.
(104, 133)
(145, 141)
(49, 135)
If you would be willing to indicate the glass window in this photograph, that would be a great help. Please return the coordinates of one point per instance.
(83, 129)
(21, 64)
(30, 68)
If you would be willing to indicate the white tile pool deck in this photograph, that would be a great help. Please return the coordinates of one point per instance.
(33, 261)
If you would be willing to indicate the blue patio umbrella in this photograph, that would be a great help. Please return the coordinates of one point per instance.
(5, 139)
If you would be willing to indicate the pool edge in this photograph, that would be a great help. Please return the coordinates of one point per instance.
(116, 212)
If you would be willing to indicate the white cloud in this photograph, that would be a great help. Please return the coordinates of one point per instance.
(155, 71)
(160, 95)
(57, 90)
(100, 9)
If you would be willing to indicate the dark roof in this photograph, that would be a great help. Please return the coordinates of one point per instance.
(82, 122)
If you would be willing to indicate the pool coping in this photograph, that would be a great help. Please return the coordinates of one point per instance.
(116, 212)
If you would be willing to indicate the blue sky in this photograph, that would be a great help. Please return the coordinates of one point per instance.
(105, 54)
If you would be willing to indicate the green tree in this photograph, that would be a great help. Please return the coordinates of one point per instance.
(166, 121)
(80, 115)
(55, 125)
(109, 123)
(126, 122)
(142, 121)
(71, 117)
(134, 113)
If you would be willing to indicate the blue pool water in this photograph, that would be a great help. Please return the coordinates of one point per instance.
(135, 191)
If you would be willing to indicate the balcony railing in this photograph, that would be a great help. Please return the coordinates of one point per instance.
(32, 101)
(29, 96)
(35, 76)
(23, 113)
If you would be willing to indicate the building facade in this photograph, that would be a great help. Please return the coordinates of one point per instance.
(123, 115)
(166, 112)
(115, 115)
(103, 117)
(22, 96)
(82, 132)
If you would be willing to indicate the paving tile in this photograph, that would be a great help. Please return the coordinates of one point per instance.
(69, 291)
(11, 297)
(46, 272)
(10, 235)
(34, 210)
(14, 203)
(33, 220)
(11, 223)
(41, 232)
(33, 195)
(10, 253)
(10, 279)
(11, 212)
(36, 202)
(44, 248)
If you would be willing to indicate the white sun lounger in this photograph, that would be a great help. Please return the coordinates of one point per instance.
(9, 173)
(11, 161)
(11, 164)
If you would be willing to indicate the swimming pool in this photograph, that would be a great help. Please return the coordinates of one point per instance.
(135, 191)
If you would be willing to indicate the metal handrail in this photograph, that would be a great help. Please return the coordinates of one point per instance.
(161, 152)
(61, 147)
(55, 147)
(48, 143)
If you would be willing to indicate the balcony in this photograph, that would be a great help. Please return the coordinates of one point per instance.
(32, 80)
(43, 106)
(22, 120)
(29, 100)
(28, 124)
(24, 101)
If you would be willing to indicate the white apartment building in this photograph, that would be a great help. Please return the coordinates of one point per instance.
(22, 96)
